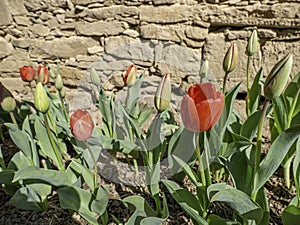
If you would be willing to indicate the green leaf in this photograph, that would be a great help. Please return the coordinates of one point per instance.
(291, 215)
(187, 201)
(276, 154)
(216, 220)
(78, 200)
(19, 161)
(239, 202)
(53, 177)
(290, 94)
(280, 114)
(2, 163)
(296, 167)
(139, 203)
(255, 91)
(99, 204)
(144, 116)
(6, 176)
(249, 128)
(134, 124)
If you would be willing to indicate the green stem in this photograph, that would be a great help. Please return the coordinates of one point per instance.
(207, 169)
(259, 141)
(95, 165)
(54, 147)
(201, 167)
(225, 81)
(63, 106)
(248, 86)
(286, 173)
(291, 112)
(13, 118)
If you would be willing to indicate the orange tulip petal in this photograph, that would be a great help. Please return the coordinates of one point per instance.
(189, 114)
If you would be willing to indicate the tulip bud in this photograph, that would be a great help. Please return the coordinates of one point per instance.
(95, 77)
(230, 59)
(278, 77)
(253, 44)
(59, 82)
(81, 124)
(27, 73)
(63, 93)
(162, 97)
(7, 102)
(52, 74)
(43, 74)
(130, 76)
(41, 101)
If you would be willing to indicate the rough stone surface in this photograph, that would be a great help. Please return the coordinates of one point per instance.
(5, 15)
(100, 28)
(5, 48)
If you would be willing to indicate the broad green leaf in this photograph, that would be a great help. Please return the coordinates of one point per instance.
(239, 202)
(139, 203)
(133, 122)
(42, 190)
(216, 220)
(78, 200)
(249, 128)
(19, 161)
(215, 188)
(280, 114)
(291, 215)
(296, 167)
(53, 177)
(255, 91)
(188, 202)
(290, 94)
(133, 94)
(276, 154)
(6, 176)
(2, 163)
(144, 116)
(99, 204)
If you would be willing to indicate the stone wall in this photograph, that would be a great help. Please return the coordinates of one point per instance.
(157, 35)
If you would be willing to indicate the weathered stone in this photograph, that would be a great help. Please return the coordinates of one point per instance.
(17, 7)
(265, 33)
(165, 14)
(85, 58)
(110, 12)
(95, 49)
(85, 2)
(196, 33)
(22, 20)
(169, 33)
(61, 18)
(131, 33)
(62, 48)
(12, 63)
(100, 28)
(35, 5)
(6, 48)
(164, 2)
(113, 43)
(71, 75)
(58, 3)
(286, 10)
(15, 32)
(5, 15)
(40, 30)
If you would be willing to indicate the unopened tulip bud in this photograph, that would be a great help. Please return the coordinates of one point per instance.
(43, 74)
(162, 97)
(231, 58)
(95, 77)
(130, 76)
(59, 82)
(278, 77)
(7, 101)
(52, 74)
(63, 93)
(253, 44)
(27, 73)
(41, 100)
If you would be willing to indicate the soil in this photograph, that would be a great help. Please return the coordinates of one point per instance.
(279, 197)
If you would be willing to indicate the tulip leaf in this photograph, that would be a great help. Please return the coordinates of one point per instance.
(6, 176)
(130, 122)
(280, 114)
(187, 201)
(53, 177)
(133, 95)
(216, 220)
(291, 215)
(255, 91)
(296, 167)
(2, 163)
(275, 156)
(290, 94)
(99, 204)
(249, 128)
(79, 200)
(239, 202)
(19, 161)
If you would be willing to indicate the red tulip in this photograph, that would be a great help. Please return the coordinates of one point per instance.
(201, 107)
(27, 73)
(82, 125)
(43, 74)
(130, 76)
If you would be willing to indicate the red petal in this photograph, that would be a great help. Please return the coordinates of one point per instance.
(189, 114)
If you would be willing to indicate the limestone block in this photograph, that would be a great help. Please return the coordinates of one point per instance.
(71, 75)
(286, 10)
(5, 15)
(85, 2)
(165, 14)
(12, 63)
(95, 49)
(22, 20)
(131, 33)
(62, 48)
(22, 42)
(6, 48)
(35, 5)
(100, 28)
(40, 30)
(170, 32)
(113, 43)
(164, 2)
(110, 12)
(197, 33)
(17, 7)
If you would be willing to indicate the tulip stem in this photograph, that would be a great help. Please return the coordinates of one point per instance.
(53, 144)
(13, 118)
(95, 165)
(248, 87)
(259, 141)
(225, 81)
(63, 106)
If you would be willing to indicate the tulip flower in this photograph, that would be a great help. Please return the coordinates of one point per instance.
(95, 77)
(82, 125)
(163, 94)
(230, 59)
(43, 74)
(253, 44)
(278, 77)
(7, 101)
(59, 82)
(130, 76)
(201, 107)
(41, 100)
(27, 73)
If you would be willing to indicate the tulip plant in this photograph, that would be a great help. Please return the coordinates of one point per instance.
(211, 146)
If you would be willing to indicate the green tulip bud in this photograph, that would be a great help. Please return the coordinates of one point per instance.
(63, 93)
(59, 82)
(253, 44)
(278, 77)
(7, 101)
(41, 101)
(95, 77)
(162, 97)
(231, 58)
